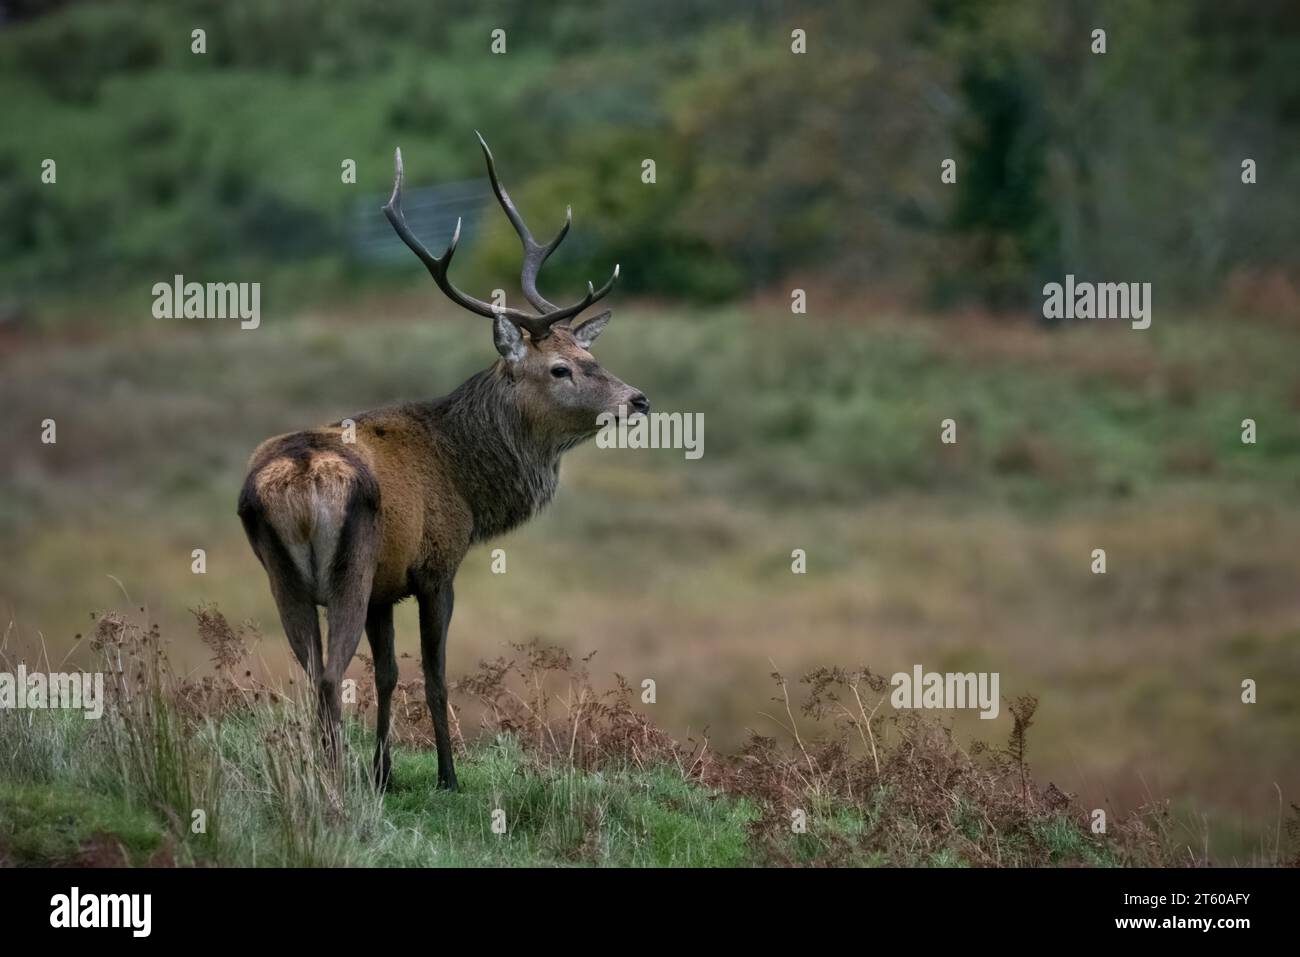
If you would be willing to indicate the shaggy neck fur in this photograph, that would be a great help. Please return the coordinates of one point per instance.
(503, 467)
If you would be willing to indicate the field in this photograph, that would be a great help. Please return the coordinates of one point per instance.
(822, 434)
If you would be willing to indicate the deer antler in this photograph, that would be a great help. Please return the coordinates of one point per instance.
(535, 254)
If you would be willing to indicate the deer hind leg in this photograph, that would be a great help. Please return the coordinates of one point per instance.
(379, 630)
(293, 597)
(301, 625)
(351, 573)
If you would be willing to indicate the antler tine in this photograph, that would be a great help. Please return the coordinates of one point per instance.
(437, 266)
(535, 255)
(594, 294)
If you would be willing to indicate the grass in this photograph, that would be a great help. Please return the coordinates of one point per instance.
(219, 770)
(624, 819)
(44, 827)
(562, 817)
(558, 818)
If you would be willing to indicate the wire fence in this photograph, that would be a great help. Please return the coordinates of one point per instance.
(431, 212)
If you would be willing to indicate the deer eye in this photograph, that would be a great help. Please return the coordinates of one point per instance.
(561, 372)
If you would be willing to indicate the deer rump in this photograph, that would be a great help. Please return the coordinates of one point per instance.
(315, 495)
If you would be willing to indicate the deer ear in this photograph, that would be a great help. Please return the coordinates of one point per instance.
(508, 339)
(585, 334)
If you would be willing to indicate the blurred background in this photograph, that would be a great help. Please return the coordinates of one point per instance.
(774, 171)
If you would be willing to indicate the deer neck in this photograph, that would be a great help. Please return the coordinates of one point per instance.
(502, 468)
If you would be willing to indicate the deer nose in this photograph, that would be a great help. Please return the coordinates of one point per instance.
(639, 403)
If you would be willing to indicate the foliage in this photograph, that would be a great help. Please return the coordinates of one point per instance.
(770, 164)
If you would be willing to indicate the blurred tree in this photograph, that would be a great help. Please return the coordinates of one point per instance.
(1123, 165)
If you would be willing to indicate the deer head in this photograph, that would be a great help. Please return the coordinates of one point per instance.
(557, 384)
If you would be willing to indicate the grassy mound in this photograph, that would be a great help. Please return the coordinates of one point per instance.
(219, 770)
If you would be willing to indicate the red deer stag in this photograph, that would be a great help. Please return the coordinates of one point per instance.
(356, 526)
